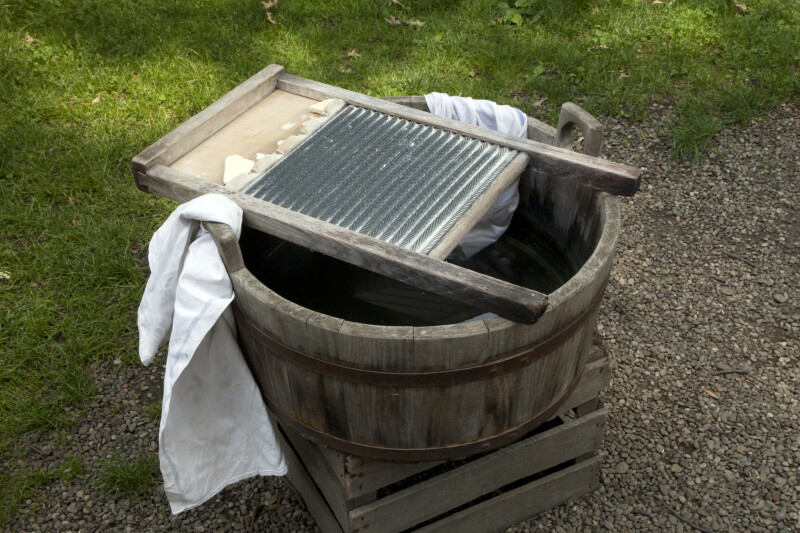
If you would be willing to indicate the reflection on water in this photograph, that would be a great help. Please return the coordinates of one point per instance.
(321, 283)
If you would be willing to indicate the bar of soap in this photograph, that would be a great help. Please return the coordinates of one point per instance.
(313, 125)
(266, 162)
(289, 144)
(241, 181)
(335, 106)
(328, 107)
(235, 165)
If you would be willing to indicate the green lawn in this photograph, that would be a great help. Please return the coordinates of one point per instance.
(87, 84)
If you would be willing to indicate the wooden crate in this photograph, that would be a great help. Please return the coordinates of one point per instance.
(553, 464)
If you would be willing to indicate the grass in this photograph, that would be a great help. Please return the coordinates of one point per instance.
(152, 410)
(72, 468)
(19, 487)
(123, 478)
(87, 84)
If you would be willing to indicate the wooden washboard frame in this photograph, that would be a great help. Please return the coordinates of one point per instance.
(162, 169)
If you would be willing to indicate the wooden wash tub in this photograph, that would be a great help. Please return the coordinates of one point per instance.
(438, 392)
(405, 393)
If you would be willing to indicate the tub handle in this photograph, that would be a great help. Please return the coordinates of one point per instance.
(227, 245)
(574, 115)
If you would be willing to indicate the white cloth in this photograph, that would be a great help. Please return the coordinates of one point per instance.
(214, 427)
(502, 118)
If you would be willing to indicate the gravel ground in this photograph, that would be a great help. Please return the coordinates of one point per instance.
(700, 319)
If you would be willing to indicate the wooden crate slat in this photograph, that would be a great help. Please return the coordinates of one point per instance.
(327, 483)
(365, 476)
(302, 483)
(437, 495)
(596, 377)
(522, 503)
(336, 461)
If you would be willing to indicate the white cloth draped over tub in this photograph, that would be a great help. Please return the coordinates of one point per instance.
(214, 427)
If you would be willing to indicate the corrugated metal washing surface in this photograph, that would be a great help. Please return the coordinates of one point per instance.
(386, 177)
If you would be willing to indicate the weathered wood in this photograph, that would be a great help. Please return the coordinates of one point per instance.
(465, 223)
(607, 245)
(433, 497)
(371, 415)
(522, 503)
(361, 475)
(566, 304)
(435, 494)
(336, 406)
(302, 483)
(588, 406)
(209, 121)
(540, 132)
(327, 483)
(376, 347)
(365, 476)
(416, 102)
(348, 482)
(275, 118)
(595, 378)
(441, 417)
(478, 290)
(227, 245)
(452, 346)
(323, 336)
(537, 130)
(264, 309)
(553, 161)
(591, 128)
(598, 221)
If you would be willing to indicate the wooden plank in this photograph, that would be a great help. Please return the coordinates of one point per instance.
(325, 480)
(275, 118)
(524, 502)
(540, 132)
(209, 121)
(435, 496)
(365, 475)
(558, 162)
(537, 130)
(595, 378)
(335, 460)
(360, 476)
(451, 239)
(303, 485)
(417, 102)
(481, 291)
(589, 406)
